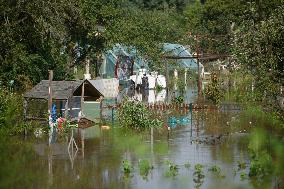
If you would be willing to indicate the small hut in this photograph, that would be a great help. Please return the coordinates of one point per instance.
(68, 96)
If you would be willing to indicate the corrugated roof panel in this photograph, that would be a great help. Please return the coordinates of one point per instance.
(60, 89)
(107, 87)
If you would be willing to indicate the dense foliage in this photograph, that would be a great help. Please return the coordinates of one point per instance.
(10, 109)
(215, 20)
(11, 114)
(259, 49)
(265, 142)
(214, 91)
(161, 4)
(133, 114)
(40, 35)
(32, 33)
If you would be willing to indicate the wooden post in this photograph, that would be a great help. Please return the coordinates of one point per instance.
(25, 108)
(101, 106)
(50, 91)
(50, 175)
(82, 96)
(66, 109)
(83, 142)
(71, 102)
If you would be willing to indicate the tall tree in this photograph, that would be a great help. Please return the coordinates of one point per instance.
(259, 49)
(146, 31)
(41, 35)
(213, 21)
(31, 36)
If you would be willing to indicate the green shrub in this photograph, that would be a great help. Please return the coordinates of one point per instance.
(11, 112)
(261, 159)
(133, 114)
(178, 100)
(214, 90)
(265, 142)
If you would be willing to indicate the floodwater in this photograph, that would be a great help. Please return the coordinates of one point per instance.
(207, 140)
(98, 163)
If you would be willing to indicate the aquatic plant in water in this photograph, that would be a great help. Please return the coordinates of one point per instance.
(198, 168)
(144, 168)
(172, 169)
(261, 160)
(127, 167)
(198, 175)
(265, 147)
(243, 175)
(217, 171)
(241, 165)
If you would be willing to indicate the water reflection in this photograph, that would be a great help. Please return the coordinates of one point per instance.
(153, 96)
(147, 96)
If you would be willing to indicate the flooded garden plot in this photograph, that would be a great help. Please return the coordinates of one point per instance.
(142, 94)
(207, 152)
